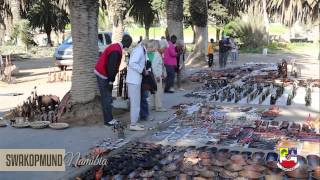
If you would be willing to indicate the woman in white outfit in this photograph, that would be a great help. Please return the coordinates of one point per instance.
(136, 67)
(157, 69)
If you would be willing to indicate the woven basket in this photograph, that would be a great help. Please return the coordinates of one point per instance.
(21, 125)
(59, 125)
(40, 124)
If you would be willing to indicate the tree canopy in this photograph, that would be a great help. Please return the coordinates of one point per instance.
(46, 15)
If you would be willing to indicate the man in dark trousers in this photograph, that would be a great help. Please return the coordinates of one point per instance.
(106, 70)
(224, 47)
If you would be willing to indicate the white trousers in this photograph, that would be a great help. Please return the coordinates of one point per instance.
(157, 97)
(134, 93)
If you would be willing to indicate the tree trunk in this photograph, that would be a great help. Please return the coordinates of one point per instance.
(217, 34)
(16, 17)
(2, 30)
(48, 32)
(194, 35)
(175, 18)
(15, 10)
(198, 56)
(116, 9)
(117, 29)
(199, 17)
(147, 31)
(266, 20)
(84, 29)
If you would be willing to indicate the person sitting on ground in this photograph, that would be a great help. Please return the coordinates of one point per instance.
(106, 70)
(170, 63)
(210, 53)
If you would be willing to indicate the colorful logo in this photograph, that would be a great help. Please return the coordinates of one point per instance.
(288, 159)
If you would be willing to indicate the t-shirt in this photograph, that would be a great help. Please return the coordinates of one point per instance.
(210, 48)
(234, 46)
(150, 56)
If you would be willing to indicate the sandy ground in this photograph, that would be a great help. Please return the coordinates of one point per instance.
(79, 139)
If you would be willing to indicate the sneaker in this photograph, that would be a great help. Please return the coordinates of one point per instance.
(113, 122)
(136, 128)
(161, 109)
(181, 89)
(140, 125)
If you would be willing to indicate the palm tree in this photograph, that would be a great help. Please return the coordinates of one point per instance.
(15, 6)
(175, 17)
(3, 15)
(45, 14)
(117, 10)
(84, 31)
(199, 18)
(11, 11)
(291, 11)
(143, 13)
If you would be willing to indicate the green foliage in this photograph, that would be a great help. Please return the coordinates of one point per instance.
(102, 21)
(277, 29)
(68, 26)
(143, 12)
(22, 30)
(46, 15)
(249, 29)
(290, 11)
(199, 12)
(15, 32)
(159, 6)
(231, 28)
(280, 47)
(218, 14)
(25, 31)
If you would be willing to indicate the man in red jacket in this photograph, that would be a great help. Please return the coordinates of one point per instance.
(106, 70)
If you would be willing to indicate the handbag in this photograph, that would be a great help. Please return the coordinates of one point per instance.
(148, 80)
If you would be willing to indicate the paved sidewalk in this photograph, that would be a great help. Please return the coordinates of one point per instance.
(74, 139)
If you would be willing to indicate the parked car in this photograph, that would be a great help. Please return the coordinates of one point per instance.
(64, 53)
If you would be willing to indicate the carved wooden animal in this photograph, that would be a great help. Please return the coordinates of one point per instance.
(48, 100)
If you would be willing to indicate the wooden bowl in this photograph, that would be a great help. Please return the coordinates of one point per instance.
(250, 174)
(233, 167)
(301, 172)
(256, 168)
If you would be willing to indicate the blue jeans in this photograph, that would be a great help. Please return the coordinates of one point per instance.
(223, 56)
(234, 56)
(170, 77)
(144, 106)
(106, 99)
